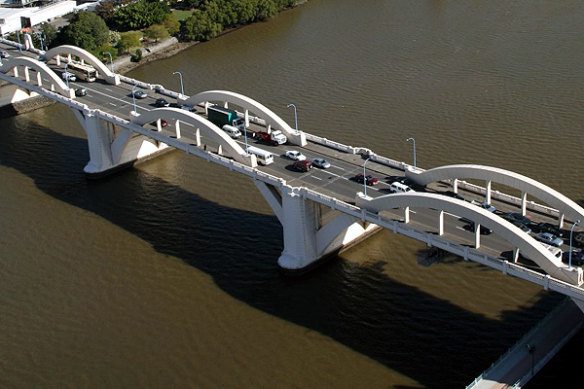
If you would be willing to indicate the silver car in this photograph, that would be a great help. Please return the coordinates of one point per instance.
(321, 163)
(546, 237)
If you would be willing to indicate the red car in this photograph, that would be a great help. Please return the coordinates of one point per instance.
(302, 166)
(368, 179)
(163, 123)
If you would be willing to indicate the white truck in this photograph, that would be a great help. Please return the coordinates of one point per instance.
(276, 137)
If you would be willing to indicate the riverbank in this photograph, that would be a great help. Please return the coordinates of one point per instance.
(170, 47)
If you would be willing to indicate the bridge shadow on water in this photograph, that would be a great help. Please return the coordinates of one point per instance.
(428, 339)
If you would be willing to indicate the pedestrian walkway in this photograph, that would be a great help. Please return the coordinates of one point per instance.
(534, 350)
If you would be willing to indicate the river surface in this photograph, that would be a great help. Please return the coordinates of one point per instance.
(165, 275)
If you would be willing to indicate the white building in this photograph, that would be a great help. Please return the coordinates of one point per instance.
(15, 19)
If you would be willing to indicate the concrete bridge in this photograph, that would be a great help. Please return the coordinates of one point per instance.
(317, 222)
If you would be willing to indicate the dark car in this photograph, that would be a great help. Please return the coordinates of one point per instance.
(549, 227)
(400, 179)
(483, 230)
(368, 179)
(454, 195)
(302, 166)
(577, 258)
(160, 102)
(521, 226)
(139, 94)
(80, 92)
(516, 216)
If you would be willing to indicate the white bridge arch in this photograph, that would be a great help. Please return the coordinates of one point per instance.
(249, 104)
(512, 234)
(511, 179)
(41, 69)
(176, 115)
(86, 56)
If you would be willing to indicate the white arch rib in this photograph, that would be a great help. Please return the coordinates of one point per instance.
(524, 242)
(41, 67)
(171, 114)
(106, 74)
(505, 177)
(246, 103)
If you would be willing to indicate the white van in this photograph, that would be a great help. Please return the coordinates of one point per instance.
(398, 187)
(232, 131)
(556, 251)
(263, 157)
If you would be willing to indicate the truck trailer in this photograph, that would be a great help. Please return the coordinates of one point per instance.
(220, 116)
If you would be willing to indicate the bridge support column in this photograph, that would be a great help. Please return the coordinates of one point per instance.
(307, 239)
(99, 139)
(477, 233)
(523, 203)
(488, 192)
(111, 147)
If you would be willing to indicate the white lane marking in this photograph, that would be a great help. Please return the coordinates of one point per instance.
(315, 177)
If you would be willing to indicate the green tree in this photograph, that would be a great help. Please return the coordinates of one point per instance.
(156, 32)
(129, 40)
(106, 11)
(171, 24)
(49, 34)
(114, 37)
(199, 27)
(265, 9)
(140, 15)
(86, 30)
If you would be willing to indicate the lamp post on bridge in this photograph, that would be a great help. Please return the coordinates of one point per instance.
(40, 35)
(19, 44)
(182, 89)
(365, 177)
(134, 98)
(295, 116)
(111, 59)
(414, 141)
(67, 75)
(571, 234)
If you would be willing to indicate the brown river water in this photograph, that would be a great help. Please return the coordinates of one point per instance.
(165, 275)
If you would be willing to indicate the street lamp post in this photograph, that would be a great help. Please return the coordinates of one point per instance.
(245, 136)
(182, 89)
(111, 59)
(19, 44)
(365, 177)
(66, 75)
(414, 141)
(134, 98)
(295, 117)
(572, 233)
(40, 35)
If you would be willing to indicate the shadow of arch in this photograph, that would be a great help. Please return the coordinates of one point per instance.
(505, 177)
(359, 306)
(169, 114)
(42, 69)
(509, 232)
(102, 70)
